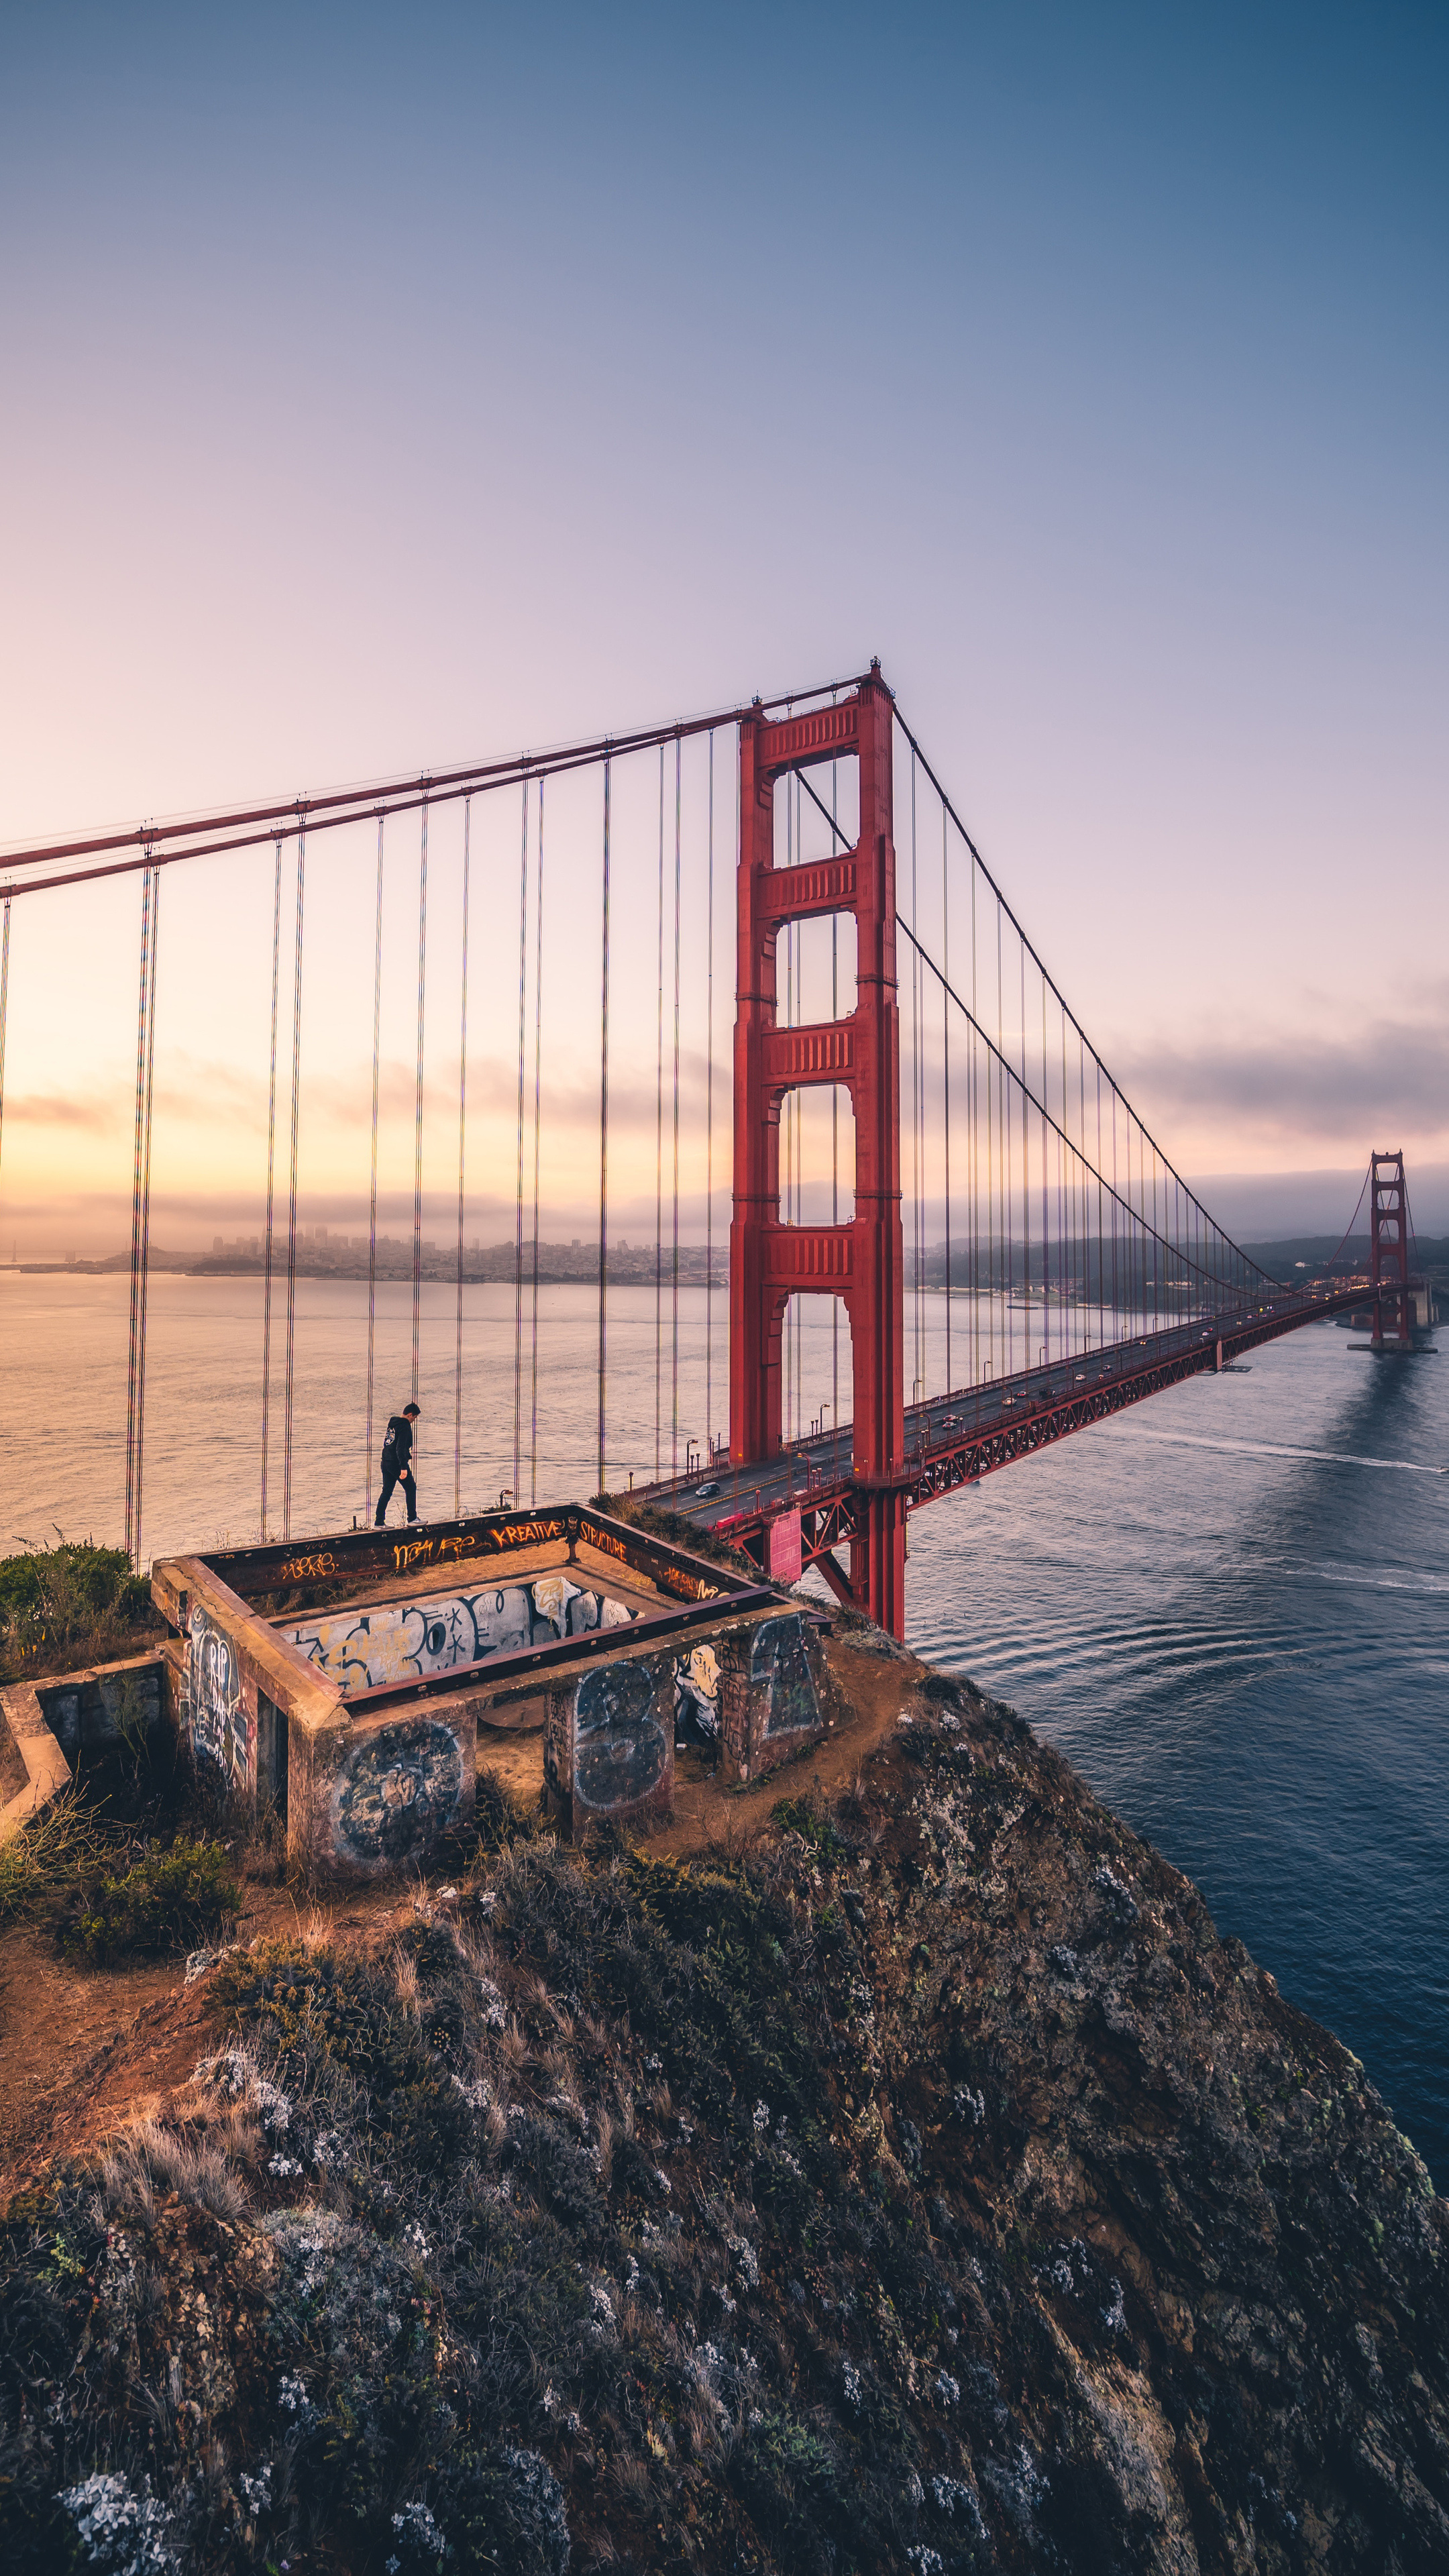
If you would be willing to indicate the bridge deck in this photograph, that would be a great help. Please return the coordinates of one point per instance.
(954, 1440)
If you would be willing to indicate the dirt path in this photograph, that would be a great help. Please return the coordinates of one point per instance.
(83, 2051)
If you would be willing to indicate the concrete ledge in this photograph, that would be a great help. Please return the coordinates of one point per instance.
(47, 1771)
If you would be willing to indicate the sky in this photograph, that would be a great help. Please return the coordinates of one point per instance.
(387, 387)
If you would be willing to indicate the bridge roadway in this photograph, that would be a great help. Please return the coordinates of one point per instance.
(955, 1440)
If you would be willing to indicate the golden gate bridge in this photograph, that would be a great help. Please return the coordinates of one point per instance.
(1080, 1272)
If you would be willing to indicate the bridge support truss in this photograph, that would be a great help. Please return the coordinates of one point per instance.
(863, 1263)
(1389, 1253)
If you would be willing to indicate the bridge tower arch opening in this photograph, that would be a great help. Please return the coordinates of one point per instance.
(861, 1262)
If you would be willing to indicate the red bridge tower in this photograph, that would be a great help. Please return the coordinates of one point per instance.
(862, 1263)
(1389, 1252)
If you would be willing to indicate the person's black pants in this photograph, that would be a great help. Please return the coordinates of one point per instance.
(410, 1494)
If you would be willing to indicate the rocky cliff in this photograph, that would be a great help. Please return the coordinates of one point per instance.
(923, 2184)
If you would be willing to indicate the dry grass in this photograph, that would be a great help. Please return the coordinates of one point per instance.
(69, 1840)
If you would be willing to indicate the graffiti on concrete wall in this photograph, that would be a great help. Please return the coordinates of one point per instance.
(778, 1659)
(399, 1641)
(223, 1731)
(696, 1698)
(400, 1789)
(621, 1747)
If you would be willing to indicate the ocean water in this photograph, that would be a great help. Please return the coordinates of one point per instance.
(1229, 1608)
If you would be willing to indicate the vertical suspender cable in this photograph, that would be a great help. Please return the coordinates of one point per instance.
(142, 1007)
(271, 1202)
(1045, 1191)
(1024, 1158)
(788, 1124)
(4, 1008)
(462, 1168)
(518, 1183)
(604, 1143)
(146, 1209)
(834, 1107)
(917, 1307)
(292, 1195)
(974, 1110)
(537, 1126)
(372, 1190)
(946, 1027)
(372, 1183)
(659, 1150)
(418, 1101)
(674, 1248)
(708, 1129)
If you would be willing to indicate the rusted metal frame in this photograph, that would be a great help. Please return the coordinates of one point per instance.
(838, 1582)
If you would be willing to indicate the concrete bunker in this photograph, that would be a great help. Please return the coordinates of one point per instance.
(358, 1680)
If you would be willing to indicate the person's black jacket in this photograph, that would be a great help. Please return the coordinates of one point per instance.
(397, 1446)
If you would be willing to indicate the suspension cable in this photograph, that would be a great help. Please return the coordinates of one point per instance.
(132, 1352)
(462, 1170)
(271, 1177)
(674, 1241)
(292, 1195)
(834, 1113)
(708, 1127)
(537, 1126)
(918, 1314)
(1037, 962)
(604, 1144)
(4, 1008)
(518, 1181)
(946, 1023)
(659, 1152)
(418, 1103)
(372, 1194)
(146, 1214)
(1029, 1097)
(347, 806)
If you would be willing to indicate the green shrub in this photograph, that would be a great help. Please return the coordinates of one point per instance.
(168, 1902)
(70, 1604)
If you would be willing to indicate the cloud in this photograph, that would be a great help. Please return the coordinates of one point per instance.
(51, 1109)
(1389, 1078)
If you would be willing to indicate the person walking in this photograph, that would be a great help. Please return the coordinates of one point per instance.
(397, 1462)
